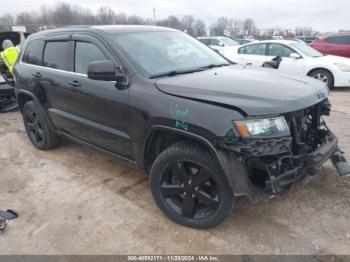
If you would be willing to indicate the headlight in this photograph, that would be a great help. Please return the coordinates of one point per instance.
(267, 127)
(343, 67)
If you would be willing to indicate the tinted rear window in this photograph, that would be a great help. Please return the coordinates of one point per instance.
(56, 55)
(254, 49)
(33, 53)
(339, 40)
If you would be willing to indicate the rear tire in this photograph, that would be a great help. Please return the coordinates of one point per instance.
(323, 75)
(37, 127)
(190, 187)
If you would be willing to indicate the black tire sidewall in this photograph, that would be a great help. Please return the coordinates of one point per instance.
(179, 153)
(31, 105)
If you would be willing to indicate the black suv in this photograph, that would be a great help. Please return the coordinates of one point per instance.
(202, 128)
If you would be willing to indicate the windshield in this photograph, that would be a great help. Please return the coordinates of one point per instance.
(228, 41)
(306, 50)
(156, 53)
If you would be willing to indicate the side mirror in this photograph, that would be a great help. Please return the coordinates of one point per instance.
(221, 44)
(295, 56)
(106, 71)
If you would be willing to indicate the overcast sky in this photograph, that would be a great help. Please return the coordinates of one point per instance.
(324, 15)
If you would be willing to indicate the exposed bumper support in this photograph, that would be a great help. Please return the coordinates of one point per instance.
(284, 171)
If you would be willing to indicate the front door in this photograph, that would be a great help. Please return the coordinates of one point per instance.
(94, 111)
(289, 65)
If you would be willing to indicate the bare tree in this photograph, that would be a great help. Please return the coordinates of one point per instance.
(187, 24)
(199, 28)
(135, 20)
(171, 21)
(106, 16)
(218, 28)
(29, 20)
(249, 26)
(121, 19)
(63, 14)
(6, 22)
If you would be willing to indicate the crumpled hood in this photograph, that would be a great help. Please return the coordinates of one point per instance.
(257, 92)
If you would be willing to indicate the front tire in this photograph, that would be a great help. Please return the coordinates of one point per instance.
(189, 186)
(37, 127)
(323, 75)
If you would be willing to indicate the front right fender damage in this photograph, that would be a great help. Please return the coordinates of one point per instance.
(259, 167)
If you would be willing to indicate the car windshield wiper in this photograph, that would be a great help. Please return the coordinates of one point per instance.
(176, 72)
(214, 65)
(180, 72)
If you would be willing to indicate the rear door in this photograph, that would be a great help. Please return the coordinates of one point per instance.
(52, 77)
(100, 111)
(337, 45)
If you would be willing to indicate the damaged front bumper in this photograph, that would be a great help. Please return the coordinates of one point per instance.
(259, 167)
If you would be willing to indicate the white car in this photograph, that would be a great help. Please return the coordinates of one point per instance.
(297, 59)
(224, 45)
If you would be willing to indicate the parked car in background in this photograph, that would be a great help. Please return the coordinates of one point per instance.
(307, 39)
(224, 45)
(297, 59)
(296, 39)
(338, 44)
(244, 41)
(203, 129)
(7, 91)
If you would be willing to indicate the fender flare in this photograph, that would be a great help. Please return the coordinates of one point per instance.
(35, 99)
(153, 129)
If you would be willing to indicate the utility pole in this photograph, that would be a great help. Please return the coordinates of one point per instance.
(154, 16)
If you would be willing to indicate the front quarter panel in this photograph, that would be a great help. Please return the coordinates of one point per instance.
(185, 115)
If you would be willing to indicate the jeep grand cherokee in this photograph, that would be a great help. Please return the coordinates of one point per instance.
(203, 129)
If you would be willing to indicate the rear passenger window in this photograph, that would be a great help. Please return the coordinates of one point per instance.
(338, 40)
(255, 49)
(56, 55)
(85, 53)
(33, 53)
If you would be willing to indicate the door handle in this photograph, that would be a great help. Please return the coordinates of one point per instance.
(37, 74)
(249, 64)
(74, 83)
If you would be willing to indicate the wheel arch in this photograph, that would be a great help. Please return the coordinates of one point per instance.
(160, 137)
(320, 68)
(24, 96)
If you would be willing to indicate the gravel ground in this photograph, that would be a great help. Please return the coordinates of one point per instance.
(75, 200)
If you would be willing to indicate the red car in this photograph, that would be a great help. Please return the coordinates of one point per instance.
(337, 44)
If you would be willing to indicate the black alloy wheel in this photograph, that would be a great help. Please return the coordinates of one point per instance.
(37, 127)
(190, 187)
(190, 190)
(34, 127)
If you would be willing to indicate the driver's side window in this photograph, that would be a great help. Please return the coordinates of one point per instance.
(214, 42)
(86, 53)
(280, 50)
